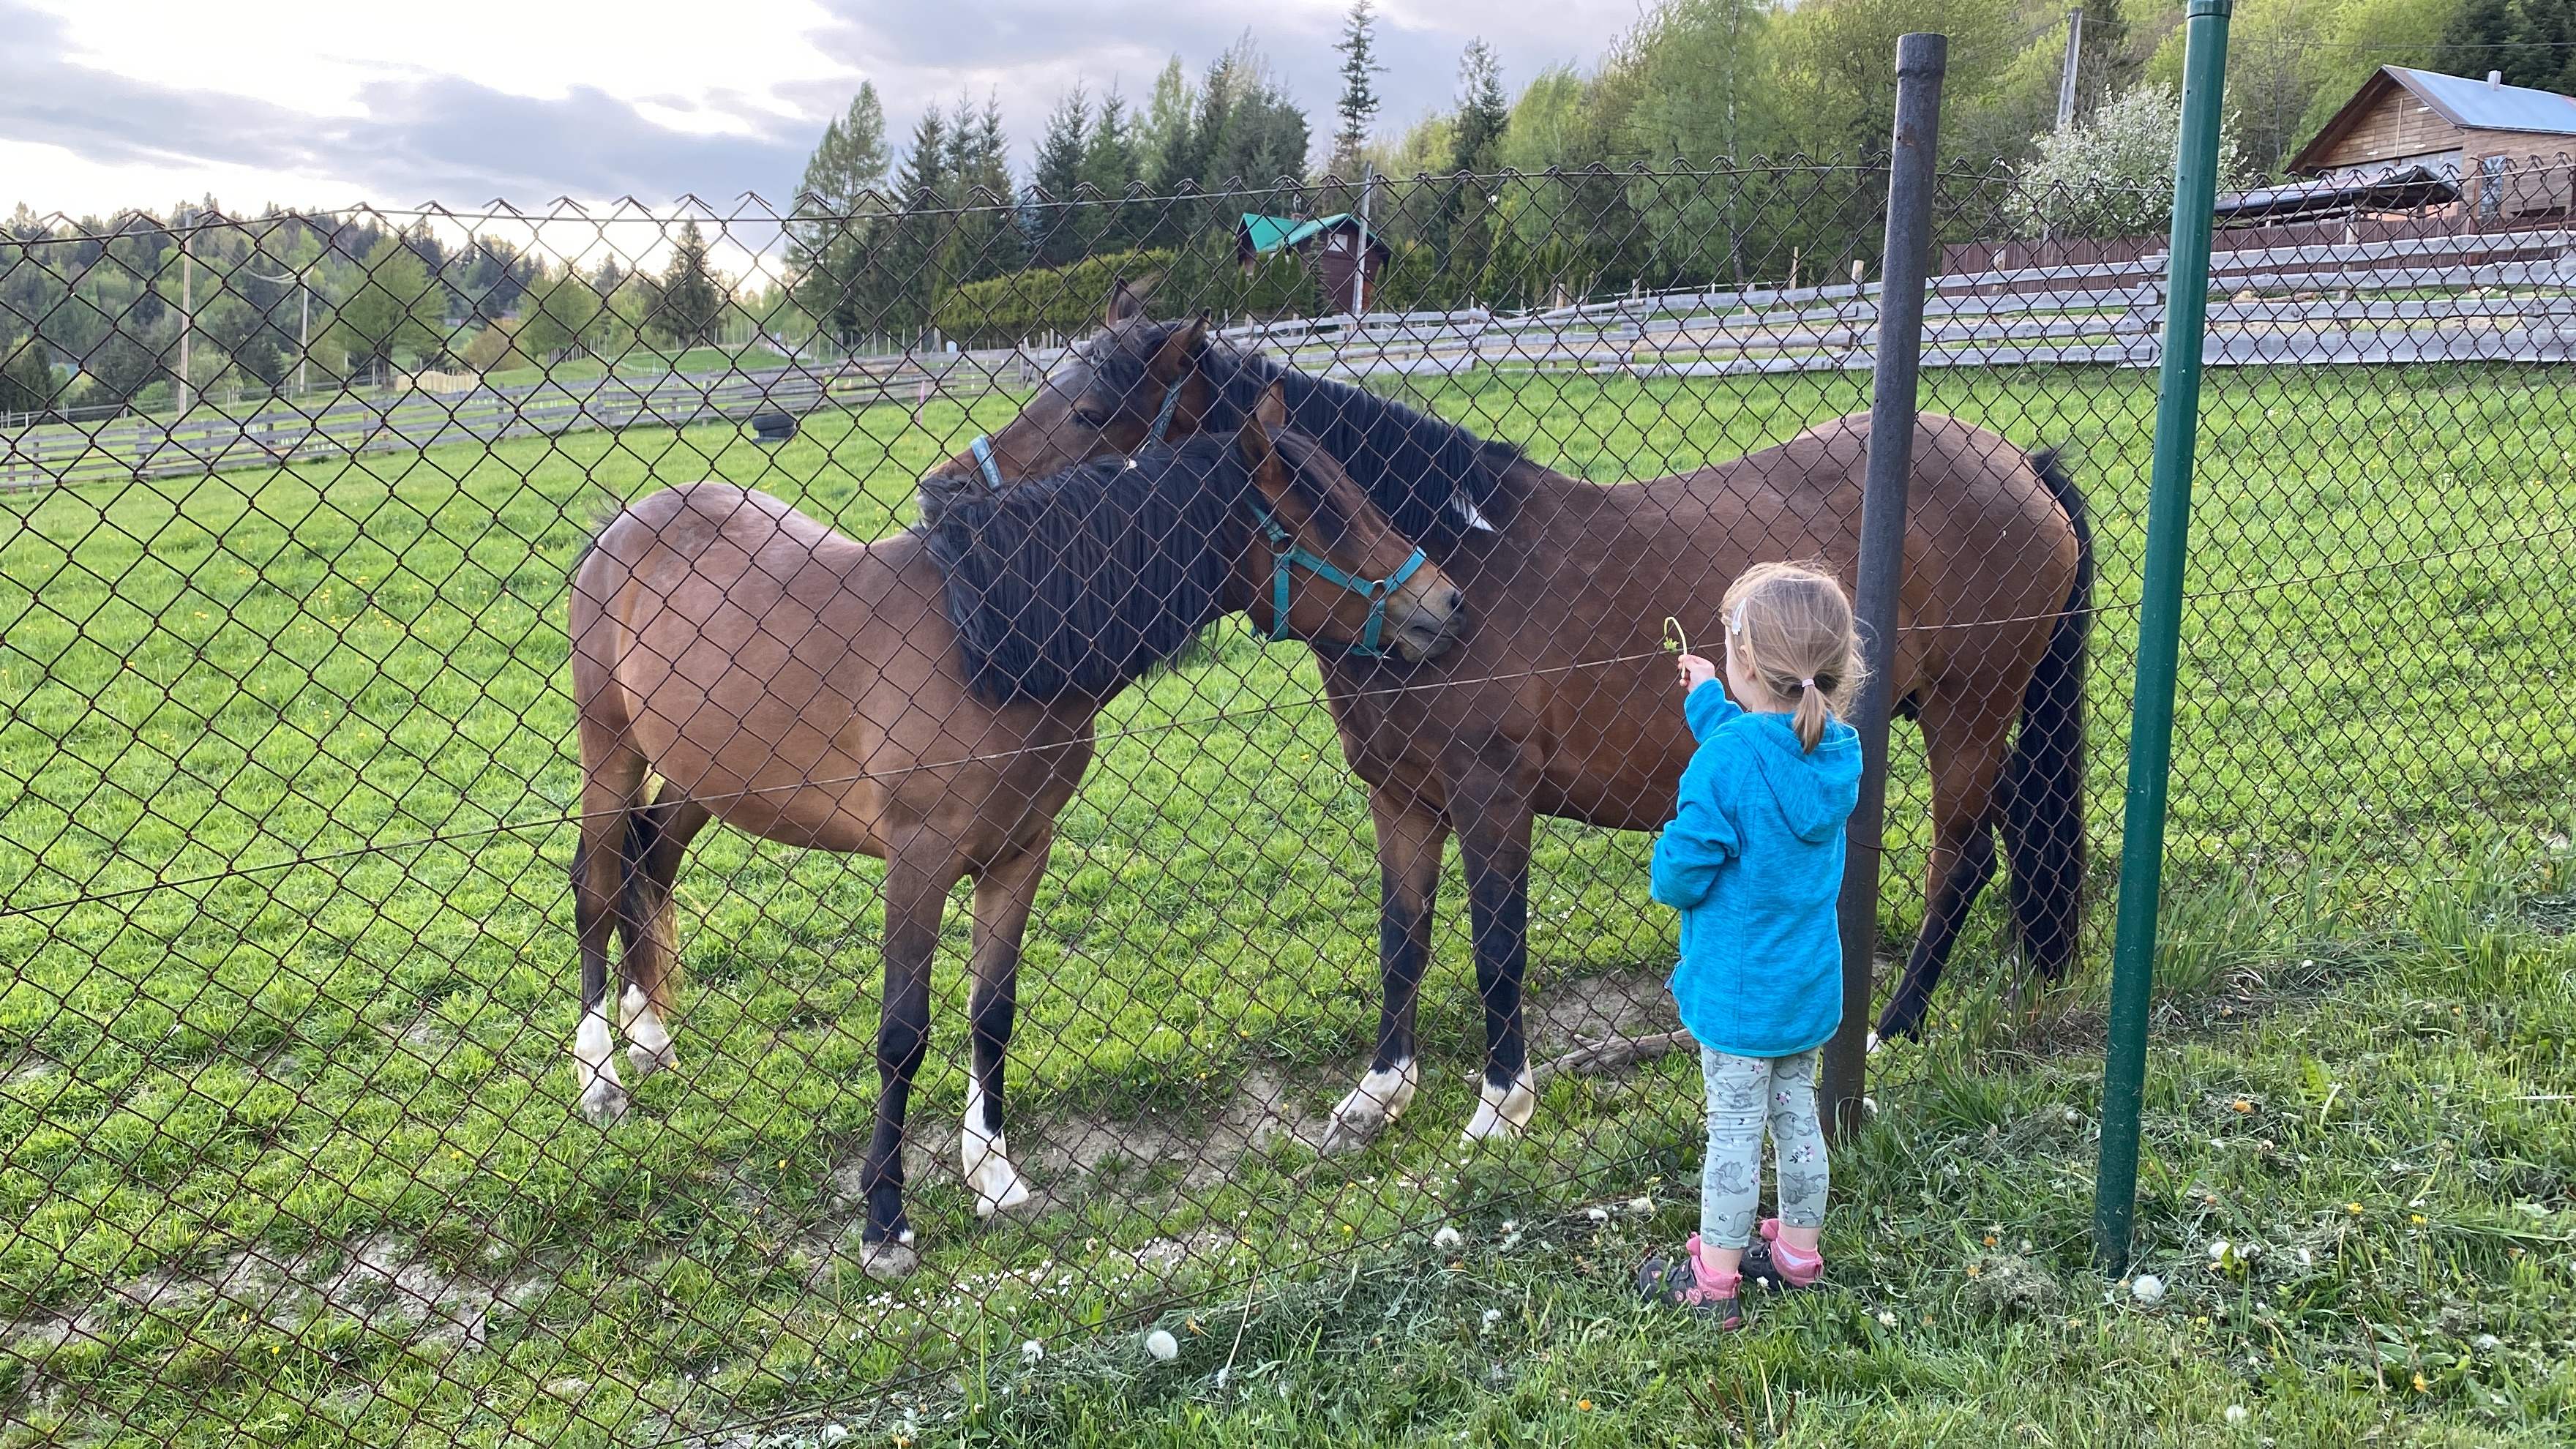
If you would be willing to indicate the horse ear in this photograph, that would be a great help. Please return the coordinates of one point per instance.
(1272, 410)
(1171, 361)
(1127, 299)
(1254, 438)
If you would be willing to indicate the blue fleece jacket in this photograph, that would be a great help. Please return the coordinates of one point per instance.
(1754, 859)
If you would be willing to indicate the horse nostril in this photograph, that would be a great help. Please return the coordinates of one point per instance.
(1453, 601)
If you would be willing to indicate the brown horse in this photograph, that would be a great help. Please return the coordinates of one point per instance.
(927, 699)
(1559, 702)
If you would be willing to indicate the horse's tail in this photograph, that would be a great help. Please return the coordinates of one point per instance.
(2043, 796)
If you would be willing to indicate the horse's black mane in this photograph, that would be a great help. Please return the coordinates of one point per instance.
(1084, 582)
(1433, 479)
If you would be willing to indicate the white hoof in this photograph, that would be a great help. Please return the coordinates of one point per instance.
(649, 1047)
(603, 1102)
(1503, 1111)
(986, 1159)
(1377, 1101)
(1871, 1048)
(891, 1261)
(603, 1099)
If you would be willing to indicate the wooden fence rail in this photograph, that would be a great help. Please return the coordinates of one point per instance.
(2483, 298)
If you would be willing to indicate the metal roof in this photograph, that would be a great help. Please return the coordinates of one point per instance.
(1267, 234)
(2393, 189)
(2478, 106)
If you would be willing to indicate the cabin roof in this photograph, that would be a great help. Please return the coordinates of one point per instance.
(2470, 105)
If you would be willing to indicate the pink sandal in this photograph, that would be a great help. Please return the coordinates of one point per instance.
(1685, 1285)
(1778, 1267)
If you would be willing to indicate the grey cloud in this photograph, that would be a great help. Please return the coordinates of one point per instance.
(442, 137)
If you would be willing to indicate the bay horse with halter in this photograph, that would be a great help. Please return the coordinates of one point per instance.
(927, 699)
(1559, 701)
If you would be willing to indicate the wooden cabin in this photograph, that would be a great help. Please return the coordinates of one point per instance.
(2511, 149)
(1344, 256)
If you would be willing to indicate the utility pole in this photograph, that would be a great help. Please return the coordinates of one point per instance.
(2066, 76)
(1359, 272)
(187, 304)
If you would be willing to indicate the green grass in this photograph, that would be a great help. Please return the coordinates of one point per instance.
(2372, 1117)
(282, 778)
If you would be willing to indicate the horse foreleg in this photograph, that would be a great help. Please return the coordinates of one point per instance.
(1964, 735)
(915, 896)
(657, 840)
(1003, 895)
(1409, 837)
(611, 776)
(1491, 812)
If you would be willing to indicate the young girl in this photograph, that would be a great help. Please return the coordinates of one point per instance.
(1754, 860)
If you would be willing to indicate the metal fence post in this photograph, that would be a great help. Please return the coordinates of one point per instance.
(2142, 839)
(1920, 63)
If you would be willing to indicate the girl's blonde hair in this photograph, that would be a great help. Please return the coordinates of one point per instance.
(1793, 628)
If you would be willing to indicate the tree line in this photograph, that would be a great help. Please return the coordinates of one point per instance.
(1641, 170)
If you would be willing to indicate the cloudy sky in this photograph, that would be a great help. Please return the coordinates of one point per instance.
(109, 103)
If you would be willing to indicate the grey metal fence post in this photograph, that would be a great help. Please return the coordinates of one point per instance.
(1920, 62)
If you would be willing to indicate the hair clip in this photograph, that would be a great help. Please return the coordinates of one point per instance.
(1738, 626)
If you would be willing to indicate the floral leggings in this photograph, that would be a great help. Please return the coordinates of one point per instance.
(1742, 1093)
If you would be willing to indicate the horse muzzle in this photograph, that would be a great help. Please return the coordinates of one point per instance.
(1423, 625)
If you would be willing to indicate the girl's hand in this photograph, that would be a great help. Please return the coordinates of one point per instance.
(1695, 672)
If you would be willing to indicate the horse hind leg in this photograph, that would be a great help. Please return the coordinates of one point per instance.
(655, 844)
(612, 775)
(1964, 735)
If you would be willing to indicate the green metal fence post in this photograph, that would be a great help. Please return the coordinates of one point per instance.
(2142, 839)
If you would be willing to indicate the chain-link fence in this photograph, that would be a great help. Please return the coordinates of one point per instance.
(1242, 774)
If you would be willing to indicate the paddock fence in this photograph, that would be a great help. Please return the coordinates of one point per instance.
(292, 1145)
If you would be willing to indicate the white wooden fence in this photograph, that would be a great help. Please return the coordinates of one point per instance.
(2491, 298)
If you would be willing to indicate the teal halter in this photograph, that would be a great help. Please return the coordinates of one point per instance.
(1286, 553)
(1159, 432)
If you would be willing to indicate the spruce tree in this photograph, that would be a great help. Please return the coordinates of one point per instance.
(842, 180)
(688, 301)
(1483, 110)
(1056, 182)
(1359, 104)
(2532, 41)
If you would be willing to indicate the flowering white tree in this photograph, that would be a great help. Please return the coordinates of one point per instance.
(2111, 175)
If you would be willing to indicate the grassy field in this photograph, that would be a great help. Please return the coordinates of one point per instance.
(282, 777)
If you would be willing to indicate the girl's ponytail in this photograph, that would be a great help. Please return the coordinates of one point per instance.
(1809, 718)
(1796, 627)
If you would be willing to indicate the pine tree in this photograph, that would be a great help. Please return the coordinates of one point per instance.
(842, 181)
(26, 381)
(2532, 41)
(985, 240)
(1061, 149)
(1359, 103)
(688, 301)
(1483, 110)
(1110, 166)
(1047, 219)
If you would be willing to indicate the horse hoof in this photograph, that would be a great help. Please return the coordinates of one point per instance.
(1351, 1131)
(648, 1060)
(603, 1104)
(1503, 1111)
(889, 1262)
(1015, 1195)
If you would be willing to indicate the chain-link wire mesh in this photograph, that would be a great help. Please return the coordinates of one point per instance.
(365, 683)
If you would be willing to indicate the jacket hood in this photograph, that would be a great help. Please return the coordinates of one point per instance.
(1816, 790)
